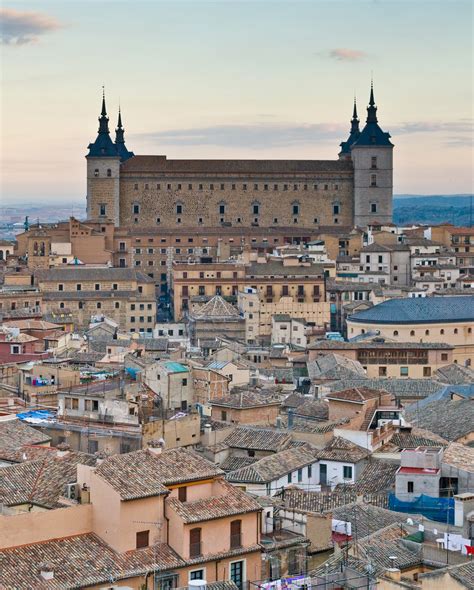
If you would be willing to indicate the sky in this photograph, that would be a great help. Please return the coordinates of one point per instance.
(233, 79)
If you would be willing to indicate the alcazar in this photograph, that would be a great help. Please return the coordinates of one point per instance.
(154, 192)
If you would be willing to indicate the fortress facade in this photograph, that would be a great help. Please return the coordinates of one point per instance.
(153, 192)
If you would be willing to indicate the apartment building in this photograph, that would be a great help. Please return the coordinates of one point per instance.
(126, 296)
(166, 516)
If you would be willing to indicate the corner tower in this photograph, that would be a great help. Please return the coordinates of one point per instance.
(103, 174)
(372, 155)
(345, 153)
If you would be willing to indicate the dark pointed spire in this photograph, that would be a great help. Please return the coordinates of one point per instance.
(355, 119)
(120, 139)
(371, 109)
(103, 145)
(103, 119)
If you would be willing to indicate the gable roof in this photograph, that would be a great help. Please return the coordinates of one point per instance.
(275, 466)
(217, 308)
(41, 482)
(259, 439)
(334, 366)
(141, 474)
(341, 449)
(450, 419)
(356, 394)
(14, 434)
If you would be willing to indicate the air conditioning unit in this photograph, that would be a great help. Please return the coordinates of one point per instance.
(72, 491)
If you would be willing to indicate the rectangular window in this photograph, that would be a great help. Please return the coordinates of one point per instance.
(143, 539)
(373, 162)
(289, 478)
(373, 207)
(102, 210)
(237, 574)
(347, 472)
(310, 471)
(403, 371)
(195, 543)
(235, 534)
(136, 209)
(410, 487)
(335, 209)
(182, 494)
(373, 180)
(196, 575)
(300, 475)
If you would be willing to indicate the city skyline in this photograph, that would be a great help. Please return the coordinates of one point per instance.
(286, 92)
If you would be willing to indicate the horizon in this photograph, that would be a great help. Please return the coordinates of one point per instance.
(278, 84)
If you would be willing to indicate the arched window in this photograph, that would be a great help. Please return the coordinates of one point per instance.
(412, 333)
(455, 330)
(395, 332)
(427, 332)
(441, 331)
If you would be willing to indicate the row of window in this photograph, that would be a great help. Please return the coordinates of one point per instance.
(255, 209)
(244, 186)
(427, 332)
(255, 220)
(97, 287)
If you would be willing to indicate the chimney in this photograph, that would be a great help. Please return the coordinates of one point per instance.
(100, 457)
(62, 449)
(394, 574)
(46, 571)
(156, 446)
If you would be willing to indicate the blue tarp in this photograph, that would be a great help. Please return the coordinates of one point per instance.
(132, 372)
(440, 509)
(37, 416)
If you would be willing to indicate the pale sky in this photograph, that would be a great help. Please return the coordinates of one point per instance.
(233, 79)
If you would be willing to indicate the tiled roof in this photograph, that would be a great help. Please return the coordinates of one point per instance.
(159, 164)
(41, 482)
(356, 394)
(78, 274)
(79, 561)
(233, 501)
(411, 388)
(297, 499)
(340, 449)
(464, 574)
(459, 456)
(418, 437)
(15, 434)
(234, 463)
(217, 308)
(313, 408)
(366, 519)
(455, 374)
(306, 424)
(450, 419)
(418, 310)
(335, 366)
(140, 474)
(379, 343)
(261, 439)
(245, 399)
(275, 466)
(377, 476)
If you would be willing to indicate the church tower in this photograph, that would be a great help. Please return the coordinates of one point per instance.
(372, 155)
(103, 174)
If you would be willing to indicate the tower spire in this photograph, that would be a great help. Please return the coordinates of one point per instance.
(103, 119)
(371, 109)
(120, 139)
(355, 119)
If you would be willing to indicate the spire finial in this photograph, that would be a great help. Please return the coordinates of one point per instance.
(119, 121)
(371, 109)
(104, 110)
(354, 112)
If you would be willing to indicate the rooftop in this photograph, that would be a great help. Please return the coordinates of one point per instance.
(245, 399)
(261, 439)
(275, 466)
(14, 434)
(450, 419)
(81, 273)
(340, 449)
(418, 310)
(356, 394)
(231, 502)
(140, 474)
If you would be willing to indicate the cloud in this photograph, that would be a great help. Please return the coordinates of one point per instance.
(252, 136)
(21, 28)
(344, 54)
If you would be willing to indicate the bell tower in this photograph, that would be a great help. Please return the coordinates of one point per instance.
(103, 174)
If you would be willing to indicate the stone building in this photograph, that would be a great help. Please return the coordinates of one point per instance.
(153, 191)
(125, 295)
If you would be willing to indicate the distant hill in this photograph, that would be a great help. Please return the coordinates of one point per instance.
(455, 209)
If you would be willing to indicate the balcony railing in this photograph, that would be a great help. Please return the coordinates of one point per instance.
(195, 549)
(236, 541)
